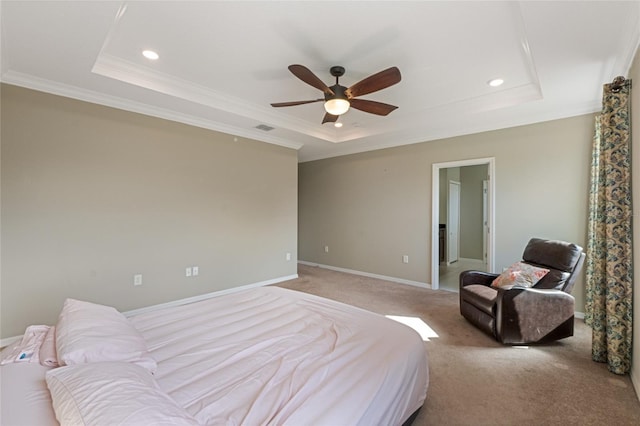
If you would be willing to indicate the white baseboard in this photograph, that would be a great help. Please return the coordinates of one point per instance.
(470, 259)
(208, 295)
(397, 280)
(9, 340)
(367, 274)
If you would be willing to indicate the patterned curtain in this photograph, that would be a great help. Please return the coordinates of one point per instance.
(609, 240)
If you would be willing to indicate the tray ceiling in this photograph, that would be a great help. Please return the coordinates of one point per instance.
(222, 63)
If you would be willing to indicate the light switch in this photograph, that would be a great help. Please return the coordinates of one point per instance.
(187, 272)
(195, 271)
(137, 279)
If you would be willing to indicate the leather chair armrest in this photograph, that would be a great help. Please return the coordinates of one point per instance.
(476, 277)
(533, 315)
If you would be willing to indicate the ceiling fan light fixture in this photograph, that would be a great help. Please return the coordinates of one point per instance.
(339, 99)
(336, 106)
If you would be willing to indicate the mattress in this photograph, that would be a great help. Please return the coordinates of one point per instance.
(268, 356)
(277, 356)
(24, 397)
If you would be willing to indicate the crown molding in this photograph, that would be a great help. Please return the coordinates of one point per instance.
(122, 70)
(628, 50)
(463, 130)
(68, 91)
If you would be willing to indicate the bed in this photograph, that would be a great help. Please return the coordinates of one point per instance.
(265, 356)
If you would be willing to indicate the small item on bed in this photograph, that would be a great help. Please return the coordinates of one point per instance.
(28, 348)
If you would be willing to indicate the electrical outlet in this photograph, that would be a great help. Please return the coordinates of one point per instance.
(187, 272)
(405, 259)
(326, 249)
(195, 271)
(137, 279)
(288, 257)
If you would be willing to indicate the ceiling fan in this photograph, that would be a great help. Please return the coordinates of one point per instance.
(338, 99)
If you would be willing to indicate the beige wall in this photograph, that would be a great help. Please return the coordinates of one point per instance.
(374, 207)
(634, 75)
(93, 195)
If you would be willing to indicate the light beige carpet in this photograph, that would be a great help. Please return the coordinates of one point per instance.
(476, 381)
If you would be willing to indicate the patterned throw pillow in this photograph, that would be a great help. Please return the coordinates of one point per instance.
(519, 274)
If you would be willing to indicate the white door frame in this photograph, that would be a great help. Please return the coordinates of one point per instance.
(456, 222)
(435, 212)
(485, 220)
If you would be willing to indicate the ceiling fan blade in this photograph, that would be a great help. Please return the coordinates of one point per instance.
(372, 107)
(330, 118)
(375, 82)
(286, 104)
(305, 74)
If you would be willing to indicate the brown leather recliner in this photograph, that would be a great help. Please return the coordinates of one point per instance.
(523, 315)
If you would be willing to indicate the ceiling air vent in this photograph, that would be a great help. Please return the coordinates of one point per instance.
(264, 127)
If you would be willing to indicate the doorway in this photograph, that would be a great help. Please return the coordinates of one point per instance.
(485, 240)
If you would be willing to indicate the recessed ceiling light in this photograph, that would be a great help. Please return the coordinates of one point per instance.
(337, 124)
(150, 54)
(495, 82)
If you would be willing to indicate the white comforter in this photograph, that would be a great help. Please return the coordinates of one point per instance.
(276, 356)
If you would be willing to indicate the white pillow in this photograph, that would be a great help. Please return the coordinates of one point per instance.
(111, 393)
(87, 332)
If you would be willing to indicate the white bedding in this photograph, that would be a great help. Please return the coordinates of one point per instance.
(276, 356)
(24, 397)
(266, 356)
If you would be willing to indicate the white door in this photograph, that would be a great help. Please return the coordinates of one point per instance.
(453, 222)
